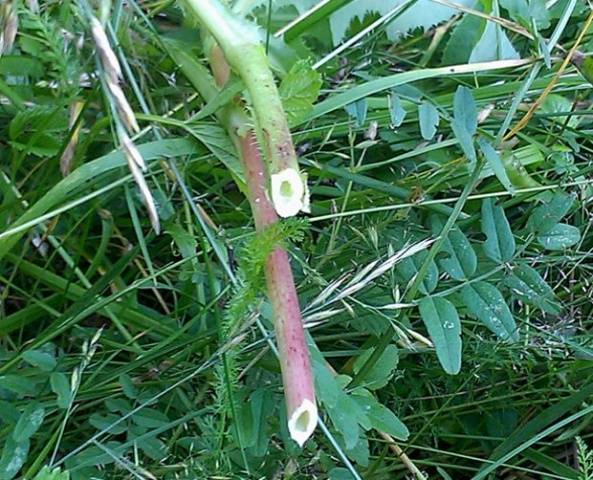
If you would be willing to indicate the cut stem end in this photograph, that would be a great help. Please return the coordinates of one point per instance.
(288, 192)
(303, 421)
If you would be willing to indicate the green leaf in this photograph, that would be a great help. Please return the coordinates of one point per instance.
(18, 384)
(107, 423)
(61, 387)
(328, 390)
(153, 448)
(485, 302)
(466, 142)
(530, 287)
(340, 474)
(500, 243)
(345, 413)
(120, 405)
(29, 422)
(97, 456)
(428, 117)
(150, 418)
(10, 414)
(299, 89)
(546, 216)
(557, 104)
(248, 419)
(126, 382)
(493, 45)
(563, 159)
(37, 130)
(381, 372)
(464, 36)
(47, 473)
(443, 325)
(14, 455)
(344, 417)
(460, 261)
(358, 111)
(17, 65)
(197, 74)
(261, 404)
(396, 111)
(407, 269)
(528, 12)
(382, 418)
(38, 358)
(12, 95)
(464, 110)
(561, 236)
(465, 122)
(185, 242)
(359, 452)
(494, 161)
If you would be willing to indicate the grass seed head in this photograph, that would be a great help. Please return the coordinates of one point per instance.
(9, 27)
(106, 53)
(135, 163)
(123, 107)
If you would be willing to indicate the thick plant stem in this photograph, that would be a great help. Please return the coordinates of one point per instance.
(294, 355)
(295, 364)
(246, 56)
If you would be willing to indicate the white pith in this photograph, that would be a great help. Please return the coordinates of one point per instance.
(302, 422)
(288, 190)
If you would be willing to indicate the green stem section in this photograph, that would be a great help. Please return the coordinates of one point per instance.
(251, 63)
(246, 56)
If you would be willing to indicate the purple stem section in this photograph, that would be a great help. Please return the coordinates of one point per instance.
(288, 324)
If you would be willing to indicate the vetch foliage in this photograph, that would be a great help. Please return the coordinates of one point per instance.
(299, 90)
(442, 322)
(500, 242)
